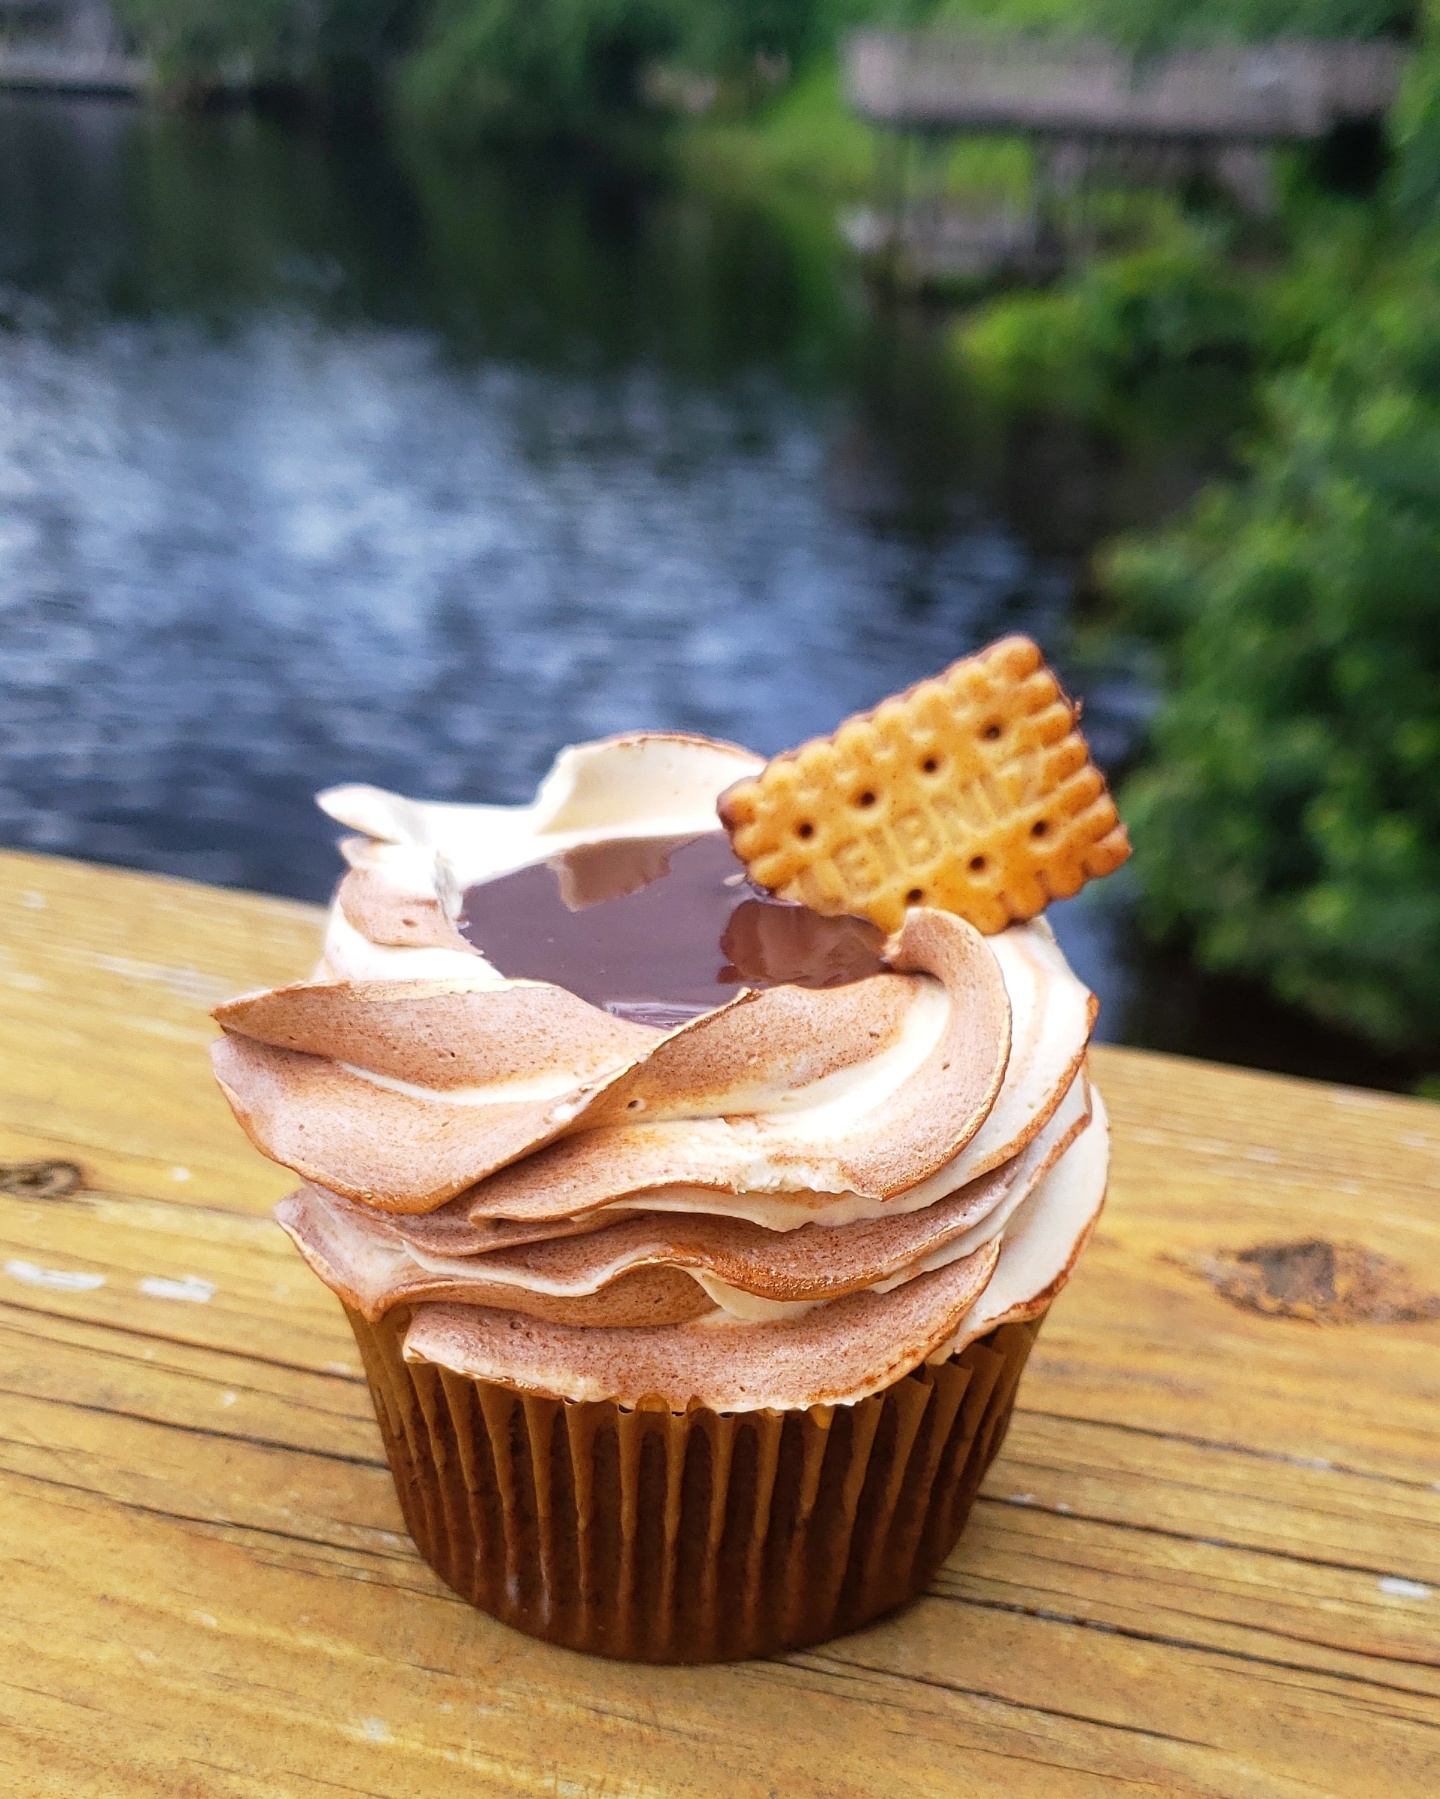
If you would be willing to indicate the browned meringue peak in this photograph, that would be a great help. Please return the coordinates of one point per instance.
(829, 1355)
(456, 1080)
(372, 1274)
(384, 1261)
(426, 1088)
(1054, 1014)
(383, 914)
(762, 1051)
(499, 1074)
(444, 1036)
(882, 1129)
(449, 1232)
(1033, 1164)
(1043, 1241)
(369, 854)
(366, 1140)
(641, 784)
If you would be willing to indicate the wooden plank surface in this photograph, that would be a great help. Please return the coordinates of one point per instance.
(1208, 1560)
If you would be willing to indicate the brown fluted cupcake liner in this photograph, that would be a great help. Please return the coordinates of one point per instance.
(694, 1537)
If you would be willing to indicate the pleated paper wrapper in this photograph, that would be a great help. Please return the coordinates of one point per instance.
(693, 1537)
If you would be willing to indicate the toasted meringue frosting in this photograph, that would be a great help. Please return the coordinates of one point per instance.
(772, 1170)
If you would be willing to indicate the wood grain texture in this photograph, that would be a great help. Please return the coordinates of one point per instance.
(1208, 1560)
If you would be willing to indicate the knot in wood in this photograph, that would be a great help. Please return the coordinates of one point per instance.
(1324, 1282)
(40, 1180)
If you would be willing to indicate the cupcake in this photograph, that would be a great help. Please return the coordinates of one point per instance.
(694, 1237)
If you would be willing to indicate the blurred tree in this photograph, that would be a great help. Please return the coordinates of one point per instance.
(732, 33)
(538, 68)
(1095, 346)
(1415, 127)
(1289, 819)
(239, 41)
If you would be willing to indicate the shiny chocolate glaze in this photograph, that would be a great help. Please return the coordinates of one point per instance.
(659, 929)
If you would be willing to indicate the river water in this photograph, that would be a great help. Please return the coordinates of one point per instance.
(324, 460)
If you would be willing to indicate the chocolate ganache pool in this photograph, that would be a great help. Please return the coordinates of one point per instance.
(658, 929)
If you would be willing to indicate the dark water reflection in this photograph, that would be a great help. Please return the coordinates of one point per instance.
(322, 460)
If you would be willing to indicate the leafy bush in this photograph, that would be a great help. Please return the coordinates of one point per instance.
(294, 40)
(538, 63)
(1289, 819)
(1090, 347)
(202, 37)
(729, 33)
(1415, 131)
(544, 67)
(552, 66)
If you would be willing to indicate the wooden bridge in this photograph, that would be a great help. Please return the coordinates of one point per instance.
(1094, 114)
(1079, 87)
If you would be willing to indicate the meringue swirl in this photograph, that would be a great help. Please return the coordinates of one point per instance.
(789, 1199)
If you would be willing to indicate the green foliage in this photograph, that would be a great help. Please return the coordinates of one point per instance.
(294, 40)
(552, 66)
(541, 68)
(1097, 347)
(1289, 819)
(729, 34)
(1415, 130)
(202, 37)
(806, 138)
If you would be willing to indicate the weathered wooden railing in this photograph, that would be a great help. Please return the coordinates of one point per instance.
(1094, 114)
(1207, 1561)
(1069, 88)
